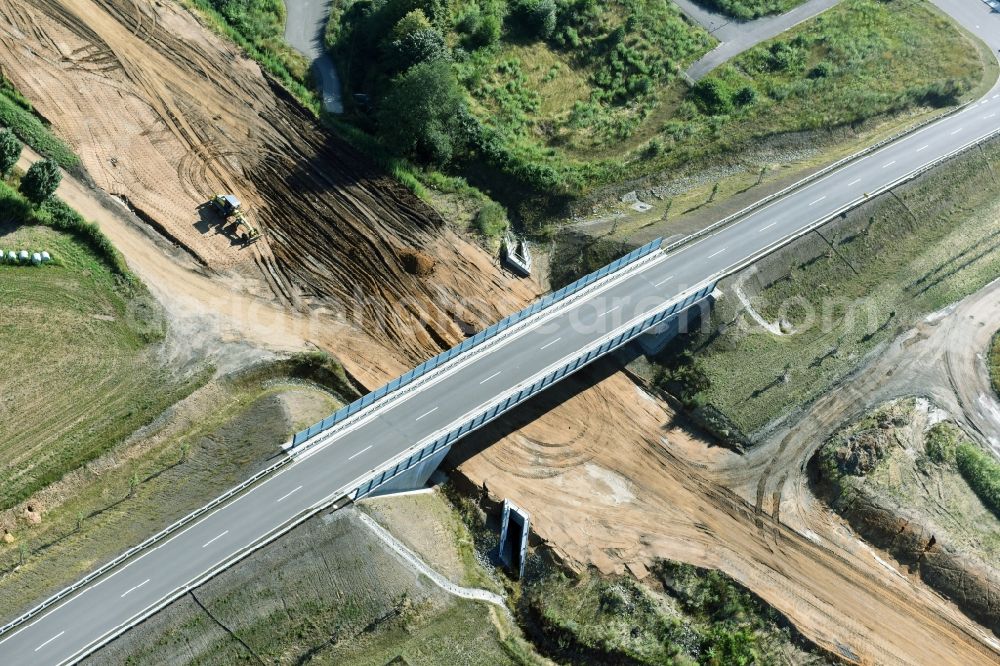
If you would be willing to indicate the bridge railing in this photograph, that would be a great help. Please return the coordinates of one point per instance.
(449, 435)
(474, 341)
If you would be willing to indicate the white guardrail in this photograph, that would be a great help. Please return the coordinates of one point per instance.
(329, 500)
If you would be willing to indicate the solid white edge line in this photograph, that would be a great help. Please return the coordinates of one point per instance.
(360, 452)
(214, 539)
(673, 252)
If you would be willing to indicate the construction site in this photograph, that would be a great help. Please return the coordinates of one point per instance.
(262, 234)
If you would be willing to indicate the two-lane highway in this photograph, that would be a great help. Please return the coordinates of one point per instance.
(90, 617)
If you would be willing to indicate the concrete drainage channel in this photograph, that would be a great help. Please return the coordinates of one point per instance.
(414, 561)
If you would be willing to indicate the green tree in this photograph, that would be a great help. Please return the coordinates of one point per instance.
(10, 151)
(41, 181)
(535, 18)
(422, 114)
(412, 22)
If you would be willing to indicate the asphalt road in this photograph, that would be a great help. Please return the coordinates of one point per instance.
(304, 27)
(737, 36)
(81, 622)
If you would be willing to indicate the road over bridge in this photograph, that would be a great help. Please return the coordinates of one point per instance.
(410, 425)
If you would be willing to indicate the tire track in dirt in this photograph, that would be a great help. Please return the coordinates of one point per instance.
(164, 114)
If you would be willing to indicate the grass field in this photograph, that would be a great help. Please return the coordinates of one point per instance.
(339, 597)
(218, 436)
(78, 348)
(893, 261)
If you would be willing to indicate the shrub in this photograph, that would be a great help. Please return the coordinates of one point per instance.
(10, 151)
(942, 442)
(821, 70)
(745, 96)
(982, 472)
(41, 181)
(414, 21)
(491, 220)
(712, 96)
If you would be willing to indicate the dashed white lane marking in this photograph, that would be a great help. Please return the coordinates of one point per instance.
(767, 227)
(956, 131)
(549, 344)
(888, 164)
(716, 253)
(133, 589)
(360, 452)
(289, 493)
(989, 116)
(490, 377)
(427, 413)
(924, 147)
(49, 641)
(213, 539)
(607, 312)
(854, 182)
(818, 200)
(669, 277)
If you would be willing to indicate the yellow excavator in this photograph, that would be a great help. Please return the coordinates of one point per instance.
(229, 207)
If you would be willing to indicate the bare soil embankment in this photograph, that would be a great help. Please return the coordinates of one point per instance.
(163, 114)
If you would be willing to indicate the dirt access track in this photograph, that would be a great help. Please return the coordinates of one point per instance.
(164, 113)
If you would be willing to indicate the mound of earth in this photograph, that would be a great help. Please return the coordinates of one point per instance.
(869, 471)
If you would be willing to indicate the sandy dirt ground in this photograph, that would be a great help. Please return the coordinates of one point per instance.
(603, 493)
(163, 114)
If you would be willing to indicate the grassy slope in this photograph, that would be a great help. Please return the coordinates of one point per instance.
(904, 262)
(701, 617)
(223, 433)
(17, 113)
(994, 362)
(80, 366)
(879, 58)
(342, 597)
